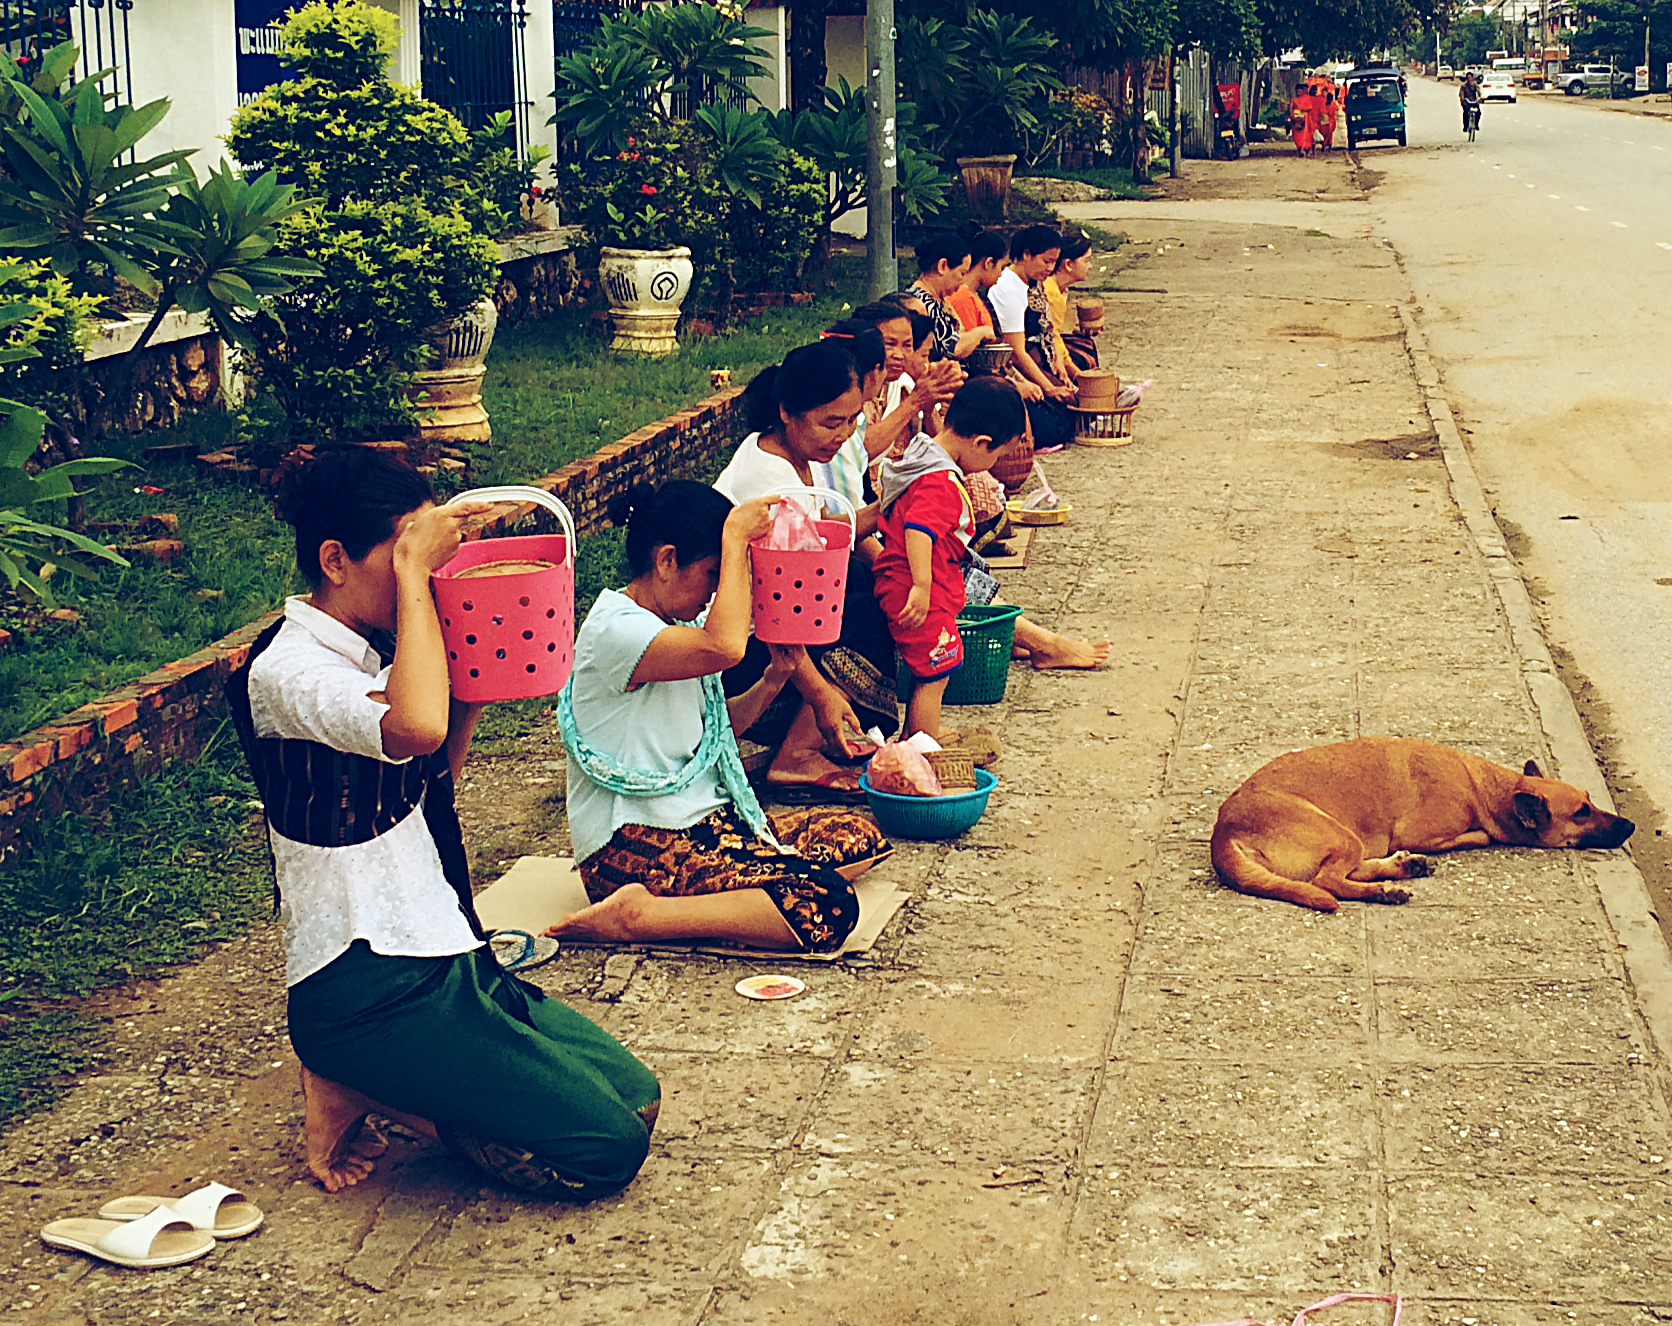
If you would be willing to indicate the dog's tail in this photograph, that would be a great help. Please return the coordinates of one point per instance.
(1239, 867)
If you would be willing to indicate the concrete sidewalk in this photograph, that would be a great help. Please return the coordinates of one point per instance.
(1078, 1080)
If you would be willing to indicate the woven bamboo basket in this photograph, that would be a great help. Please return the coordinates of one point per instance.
(955, 770)
(1102, 428)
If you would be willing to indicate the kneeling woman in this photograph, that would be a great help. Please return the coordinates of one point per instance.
(669, 839)
(396, 1005)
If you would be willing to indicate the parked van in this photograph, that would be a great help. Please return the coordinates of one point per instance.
(1375, 109)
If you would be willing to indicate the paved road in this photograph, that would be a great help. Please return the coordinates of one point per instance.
(1541, 259)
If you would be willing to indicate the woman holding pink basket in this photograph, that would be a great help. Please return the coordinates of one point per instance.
(669, 838)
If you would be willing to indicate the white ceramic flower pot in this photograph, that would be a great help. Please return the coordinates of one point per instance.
(645, 288)
(448, 393)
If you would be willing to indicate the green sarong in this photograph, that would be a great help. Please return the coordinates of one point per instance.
(523, 1085)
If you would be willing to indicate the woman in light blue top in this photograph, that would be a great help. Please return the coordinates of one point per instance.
(669, 839)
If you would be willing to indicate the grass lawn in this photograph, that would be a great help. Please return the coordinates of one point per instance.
(1114, 180)
(179, 863)
(555, 394)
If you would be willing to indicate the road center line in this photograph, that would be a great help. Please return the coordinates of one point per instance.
(1578, 208)
(1620, 225)
(1662, 244)
(1556, 196)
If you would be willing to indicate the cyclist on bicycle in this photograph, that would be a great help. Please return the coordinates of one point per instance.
(1469, 95)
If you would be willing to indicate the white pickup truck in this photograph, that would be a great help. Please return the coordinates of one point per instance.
(1585, 78)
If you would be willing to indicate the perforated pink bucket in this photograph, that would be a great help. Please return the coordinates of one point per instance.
(798, 595)
(510, 634)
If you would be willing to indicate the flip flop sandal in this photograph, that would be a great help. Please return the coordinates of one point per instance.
(214, 1209)
(822, 791)
(158, 1239)
(517, 950)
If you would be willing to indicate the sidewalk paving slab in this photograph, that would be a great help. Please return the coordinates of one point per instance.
(1077, 1080)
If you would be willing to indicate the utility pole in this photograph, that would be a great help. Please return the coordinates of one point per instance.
(1173, 114)
(882, 271)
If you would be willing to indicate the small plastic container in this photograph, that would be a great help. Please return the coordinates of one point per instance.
(929, 817)
(797, 596)
(510, 635)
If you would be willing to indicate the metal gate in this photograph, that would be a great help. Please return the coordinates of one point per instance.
(29, 28)
(471, 52)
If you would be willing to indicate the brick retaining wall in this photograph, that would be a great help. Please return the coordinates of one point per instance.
(111, 743)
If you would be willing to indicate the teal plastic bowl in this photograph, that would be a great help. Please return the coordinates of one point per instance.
(929, 817)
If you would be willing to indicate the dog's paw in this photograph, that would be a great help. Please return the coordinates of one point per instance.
(1391, 895)
(1413, 866)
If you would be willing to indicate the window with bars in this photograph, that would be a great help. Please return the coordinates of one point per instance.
(472, 59)
(29, 28)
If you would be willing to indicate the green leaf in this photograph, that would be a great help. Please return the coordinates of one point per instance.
(20, 434)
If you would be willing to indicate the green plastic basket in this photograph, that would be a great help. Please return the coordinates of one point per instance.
(988, 631)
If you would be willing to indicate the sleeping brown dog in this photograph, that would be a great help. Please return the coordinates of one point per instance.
(1317, 826)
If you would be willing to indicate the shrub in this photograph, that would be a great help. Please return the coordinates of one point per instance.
(56, 330)
(773, 241)
(402, 236)
(372, 141)
(335, 351)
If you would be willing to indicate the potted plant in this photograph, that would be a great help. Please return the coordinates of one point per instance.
(396, 331)
(673, 203)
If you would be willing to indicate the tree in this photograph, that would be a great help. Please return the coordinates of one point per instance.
(1354, 29)
(1614, 31)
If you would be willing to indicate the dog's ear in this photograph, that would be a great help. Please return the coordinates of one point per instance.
(1531, 811)
(1532, 770)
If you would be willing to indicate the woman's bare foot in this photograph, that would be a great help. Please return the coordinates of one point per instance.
(795, 768)
(617, 919)
(341, 1146)
(1062, 652)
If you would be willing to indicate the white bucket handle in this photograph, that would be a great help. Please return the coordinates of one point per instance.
(519, 492)
(853, 515)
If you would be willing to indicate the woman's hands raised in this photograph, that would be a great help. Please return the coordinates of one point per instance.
(430, 538)
(748, 522)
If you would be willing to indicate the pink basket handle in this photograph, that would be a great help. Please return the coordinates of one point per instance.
(853, 516)
(518, 492)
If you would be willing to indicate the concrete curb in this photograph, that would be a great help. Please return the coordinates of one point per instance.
(1625, 894)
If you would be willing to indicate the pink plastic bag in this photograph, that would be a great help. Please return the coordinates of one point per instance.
(902, 770)
(793, 530)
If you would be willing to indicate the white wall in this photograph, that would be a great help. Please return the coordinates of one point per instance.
(774, 89)
(540, 59)
(844, 50)
(186, 50)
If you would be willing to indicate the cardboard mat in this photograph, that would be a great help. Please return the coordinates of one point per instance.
(1020, 541)
(540, 889)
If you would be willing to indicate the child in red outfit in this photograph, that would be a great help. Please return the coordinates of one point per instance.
(926, 521)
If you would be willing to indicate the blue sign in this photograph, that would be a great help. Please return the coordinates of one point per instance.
(258, 44)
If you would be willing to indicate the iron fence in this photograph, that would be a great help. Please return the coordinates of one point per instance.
(472, 59)
(30, 28)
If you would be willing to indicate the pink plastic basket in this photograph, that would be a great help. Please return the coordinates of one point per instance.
(510, 636)
(798, 595)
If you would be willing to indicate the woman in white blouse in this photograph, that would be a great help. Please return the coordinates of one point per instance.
(396, 1006)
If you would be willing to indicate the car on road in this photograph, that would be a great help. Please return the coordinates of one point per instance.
(1498, 86)
(1375, 108)
(1587, 78)
(1444, 72)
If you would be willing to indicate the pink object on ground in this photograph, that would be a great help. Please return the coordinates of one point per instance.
(510, 636)
(1333, 1300)
(797, 595)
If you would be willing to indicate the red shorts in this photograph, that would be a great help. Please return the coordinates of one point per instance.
(932, 650)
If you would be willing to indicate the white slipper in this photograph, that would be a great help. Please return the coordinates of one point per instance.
(159, 1239)
(215, 1209)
